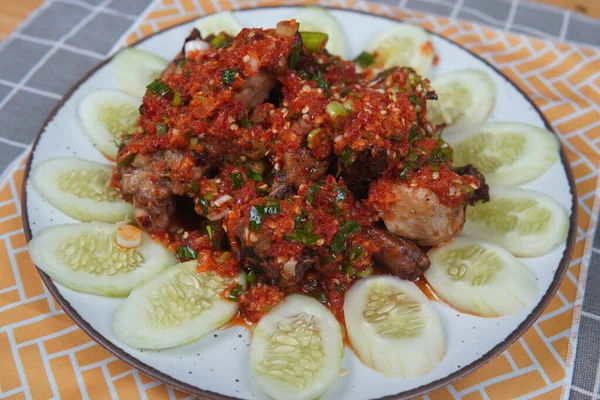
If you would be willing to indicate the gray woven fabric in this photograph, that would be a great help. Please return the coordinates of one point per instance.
(64, 39)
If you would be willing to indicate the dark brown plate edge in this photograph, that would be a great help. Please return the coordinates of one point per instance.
(419, 391)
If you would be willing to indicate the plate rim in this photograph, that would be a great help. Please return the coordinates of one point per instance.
(210, 395)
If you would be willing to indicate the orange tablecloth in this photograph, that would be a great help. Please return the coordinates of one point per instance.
(42, 350)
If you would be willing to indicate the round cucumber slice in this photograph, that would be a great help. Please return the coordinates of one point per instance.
(86, 258)
(480, 278)
(297, 350)
(106, 116)
(135, 69)
(393, 327)
(176, 307)
(465, 98)
(404, 45)
(81, 189)
(214, 24)
(508, 153)
(317, 19)
(525, 222)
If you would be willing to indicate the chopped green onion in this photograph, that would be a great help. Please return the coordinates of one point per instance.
(307, 239)
(176, 99)
(347, 157)
(314, 41)
(252, 278)
(414, 100)
(353, 254)
(338, 243)
(187, 252)
(364, 59)
(228, 76)
(210, 231)
(271, 207)
(159, 88)
(312, 192)
(335, 109)
(237, 179)
(222, 40)
(363, 274)
(413, 156)
(223, 257)
(235, 293)
(161, 129)
(193, 142)
(311, 137)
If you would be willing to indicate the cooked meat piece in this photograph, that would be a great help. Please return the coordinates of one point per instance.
(366, 168)
(256, 89)
(483, 193)
(400, 256)
(419, 215)
(300, 166)
(151, 181)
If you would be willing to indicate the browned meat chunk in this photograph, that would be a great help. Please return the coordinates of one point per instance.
(400, 256)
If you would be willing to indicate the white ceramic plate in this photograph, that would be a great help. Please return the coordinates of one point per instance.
(217, 366)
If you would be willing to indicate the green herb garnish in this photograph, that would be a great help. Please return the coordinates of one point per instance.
(271, 207)
(228, 76)
(347, 157)
(255, 176)
(186, 252)
(339, 241)
(237, 179)
(235, 293)
(307, 239)
(312, 192)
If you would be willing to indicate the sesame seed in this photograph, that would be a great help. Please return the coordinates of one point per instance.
(383, 112)
(435, 176)
(253, 238)
(246, 58)
(233, 127)
(305, 110)
(186, 234)
(320, 242)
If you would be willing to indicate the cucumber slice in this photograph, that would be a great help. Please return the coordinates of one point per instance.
(480, 278)
(86, 258)
(393, 327)
(176, 307)
(404, 45)
(465, 98)
(214, 24)
(135, 69)
(508, 153)
(81, 189)
(525, 222)
(318, 19)
(106, 116)
(297, 349)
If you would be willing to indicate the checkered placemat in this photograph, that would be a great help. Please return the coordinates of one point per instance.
(44, 355)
